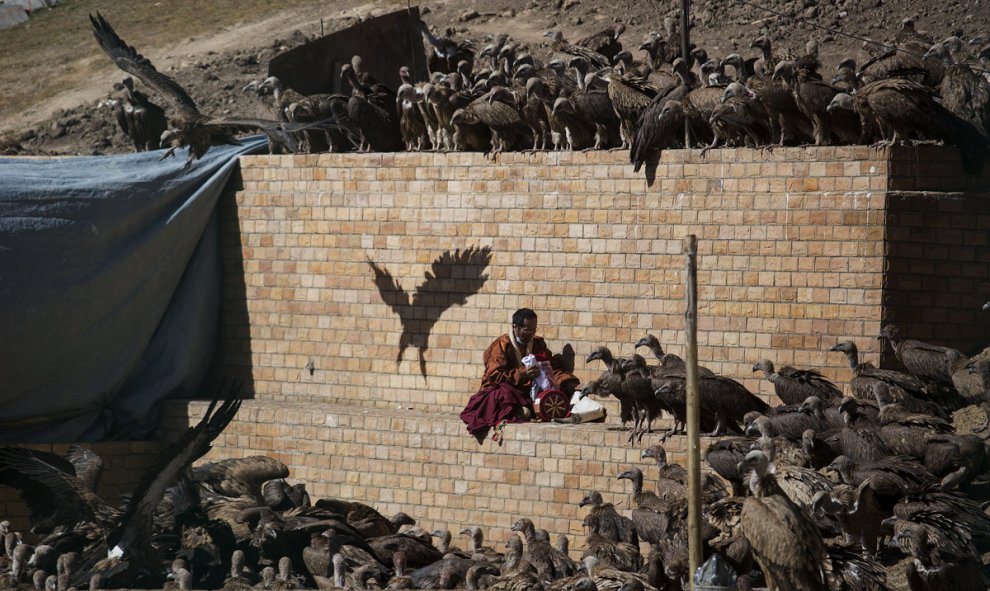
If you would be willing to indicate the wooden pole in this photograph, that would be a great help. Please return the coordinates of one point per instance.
(686, 56)
(693, 408)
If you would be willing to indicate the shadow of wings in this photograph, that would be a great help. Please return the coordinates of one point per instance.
(451, 280)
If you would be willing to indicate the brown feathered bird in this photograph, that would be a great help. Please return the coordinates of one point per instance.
(811, 96)
(794, 386)
(933, 364)
(785, 541)
(905, 108)
(188, 127)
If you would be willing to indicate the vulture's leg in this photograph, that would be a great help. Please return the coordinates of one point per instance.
(711, 146)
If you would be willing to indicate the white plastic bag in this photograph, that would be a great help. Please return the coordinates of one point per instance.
(542, 381)
(584, 410)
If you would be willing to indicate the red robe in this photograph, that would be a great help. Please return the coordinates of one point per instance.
(505, 385)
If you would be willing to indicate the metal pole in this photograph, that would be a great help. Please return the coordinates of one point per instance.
(693, 408)
(686, 56)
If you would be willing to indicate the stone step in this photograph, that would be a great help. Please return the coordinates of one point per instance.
(426, 464)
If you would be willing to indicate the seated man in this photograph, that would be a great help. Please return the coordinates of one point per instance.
(505, 387)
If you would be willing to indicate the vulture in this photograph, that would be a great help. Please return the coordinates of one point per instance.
(188, 127)
(620, 555)
(931, 571)
(509, 131)
(447, 52)
(891, 478)
(856, 510)
(637, 386)
(794, 386)
(846, 124)
(712, 488)
(785, 541)
(610, 382)
(669, 363)
(412, 124)
(790, 426)
(903, 108)
(550, 563)
(845, 79)
(579, 130)
(739, 119)
(653, 518)
(629, 99)
(963, 91)
(606, 521)
(811, 96)
(559, 44)
(817, 450)
(724, 402)
(125, 556)
(366, 520)
(957, 459)
(725, 455)
(955, 507)
(240, 477)
(373, 111)
(605, 42)
(769, 59)
(142, 120)
(905, 388)
(660, 126)
(932, 364)
(477, 548)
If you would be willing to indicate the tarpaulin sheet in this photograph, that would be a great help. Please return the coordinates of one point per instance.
(109, 289)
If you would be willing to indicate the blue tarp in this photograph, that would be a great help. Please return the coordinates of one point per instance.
(109, 290)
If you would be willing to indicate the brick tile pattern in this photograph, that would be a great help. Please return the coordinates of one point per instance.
(791, 243)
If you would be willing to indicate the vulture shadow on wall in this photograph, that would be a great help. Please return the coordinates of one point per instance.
(451, 280)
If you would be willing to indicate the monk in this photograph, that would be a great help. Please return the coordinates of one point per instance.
(504, 396)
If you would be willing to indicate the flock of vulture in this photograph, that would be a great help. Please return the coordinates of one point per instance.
(495, 95)
(824, 492)
(903, 482)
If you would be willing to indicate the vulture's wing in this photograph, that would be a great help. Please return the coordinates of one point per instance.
(129, 60)
(195, 443)
(87, 463)
(785, 542)
(49, 486)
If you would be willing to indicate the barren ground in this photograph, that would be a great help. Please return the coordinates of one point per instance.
(54, 77)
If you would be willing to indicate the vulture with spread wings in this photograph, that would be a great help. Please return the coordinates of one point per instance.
(451, 279)
(125, 555)
(188, 127)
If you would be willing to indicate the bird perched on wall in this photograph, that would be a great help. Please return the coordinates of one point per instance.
(188, 127)
(451, 279)
(903, 107)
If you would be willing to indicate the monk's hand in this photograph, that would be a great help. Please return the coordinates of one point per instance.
(533, 372)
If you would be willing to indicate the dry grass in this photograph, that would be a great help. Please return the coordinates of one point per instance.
(55, 52)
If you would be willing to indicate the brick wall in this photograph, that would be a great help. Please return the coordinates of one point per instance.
(791, 244)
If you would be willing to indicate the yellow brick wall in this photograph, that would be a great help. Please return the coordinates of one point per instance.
(791, 246)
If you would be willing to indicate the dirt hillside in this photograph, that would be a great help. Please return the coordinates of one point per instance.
(55, 93)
